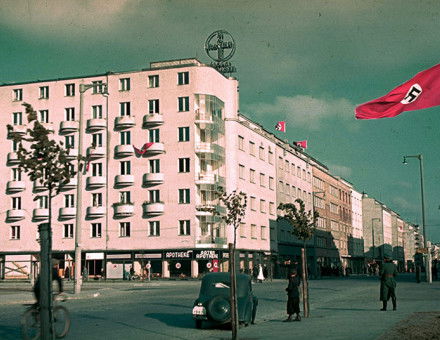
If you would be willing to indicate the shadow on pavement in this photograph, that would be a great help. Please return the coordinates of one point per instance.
(9, 332)
(175, 320)
(351, 309)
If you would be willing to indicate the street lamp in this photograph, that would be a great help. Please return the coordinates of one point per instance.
(102, 89)
(372, 236)
(425, 242)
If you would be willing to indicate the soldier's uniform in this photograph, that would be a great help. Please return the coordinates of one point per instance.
(388, 284)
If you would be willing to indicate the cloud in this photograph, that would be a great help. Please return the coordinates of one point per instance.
(340, 170)
(304, 111)
(404, 205)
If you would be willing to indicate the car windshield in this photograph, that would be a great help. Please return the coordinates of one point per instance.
(219, 284)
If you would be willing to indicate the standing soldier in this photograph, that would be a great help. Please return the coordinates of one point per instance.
(387, 283)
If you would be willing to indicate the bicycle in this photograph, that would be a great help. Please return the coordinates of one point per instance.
(30, 321)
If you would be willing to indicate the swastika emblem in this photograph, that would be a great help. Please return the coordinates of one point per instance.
(412, 94)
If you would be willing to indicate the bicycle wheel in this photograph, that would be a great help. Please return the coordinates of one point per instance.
(30, 324)
(61, 321)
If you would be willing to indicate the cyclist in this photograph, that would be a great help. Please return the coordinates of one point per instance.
(55, 276)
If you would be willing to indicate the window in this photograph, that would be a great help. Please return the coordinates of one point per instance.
(184, 227)
(96, 169)
(68, 231)
(252, 175)
(69, 201)
(17, 118)
(124, 84)
(293, 191)
(182, 78)
(261, 153)
(334, 208)
(263, 206)
(153, 81)
(286, 167)
(241, 171)
(280, 163)
(287, 190)
(125, 167)
(253, 231)
(69, 141)
(154, 228)
(184, 134)
(240, 143)
(270, 157)
(16, 203)
(334, 225)
(251, 148)
(15, 232)
(44, 92)
(43, 116)
(184, 165)
(154, 135)
(16, 174)
(15, 145)
(97, 199)
(334, 191)
(43, 202)
(153, 106)
(242, 230)
(95, 230)
(97, 87)
(125, 197)
(124, 229)
(69, 90)
(18, 94)
(304, 175)
(97, 111)
(292, 169)
(263, 234)
(298, 171)
(124, 109)
(69, 113)
(154, 196)
(184, 196)
(272, 208)
(97, 139)
(253, 204)
(125, 137)
(281, 186)
(154, 166)
(183, 104)
(262, 180)
(271, 183)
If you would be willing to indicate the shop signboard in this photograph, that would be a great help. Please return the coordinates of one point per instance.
(178, 255)
(206, 254)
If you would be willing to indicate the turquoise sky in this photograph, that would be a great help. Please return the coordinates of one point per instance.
(307, 62)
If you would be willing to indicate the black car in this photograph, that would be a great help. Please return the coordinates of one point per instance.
(213, 303)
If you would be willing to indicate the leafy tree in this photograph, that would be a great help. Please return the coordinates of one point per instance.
(44, 160)
(303, 225)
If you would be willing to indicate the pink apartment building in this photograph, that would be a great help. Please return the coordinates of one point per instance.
(161, 142)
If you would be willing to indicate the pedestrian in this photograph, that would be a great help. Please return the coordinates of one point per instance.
(387, 275)
(260, 276)
(131, 273)
(67, 273)
(293, 297)
(85, 273)
(418, 272)
(434, 270)
(255, 273)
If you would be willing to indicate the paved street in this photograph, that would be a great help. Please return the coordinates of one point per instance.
(341, 308)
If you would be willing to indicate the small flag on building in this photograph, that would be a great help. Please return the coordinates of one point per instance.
(418, 93)
(143, 149)
(281, 126)
(302, 144)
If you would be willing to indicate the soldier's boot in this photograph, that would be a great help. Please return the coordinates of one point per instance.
(394, 300)
(384, 308)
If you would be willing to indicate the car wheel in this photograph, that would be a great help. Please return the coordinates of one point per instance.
(198, 324)
(219, 309)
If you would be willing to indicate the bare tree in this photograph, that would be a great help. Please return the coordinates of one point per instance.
(303, 227)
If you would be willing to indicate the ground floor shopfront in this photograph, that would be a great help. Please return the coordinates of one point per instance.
(145, 263)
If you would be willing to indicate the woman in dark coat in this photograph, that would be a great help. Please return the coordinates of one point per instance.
(293, 297)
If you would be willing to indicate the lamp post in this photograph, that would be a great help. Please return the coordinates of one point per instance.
(372, 236)
(425, 242)
(102, 89)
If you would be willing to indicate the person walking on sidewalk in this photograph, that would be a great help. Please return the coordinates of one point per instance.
(293, 297)
(387, 275)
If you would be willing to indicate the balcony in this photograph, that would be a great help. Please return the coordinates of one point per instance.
(95, 212)
(68, 127)
(15, 215)
(17, 130)
(203, 119)
(71, 185)
(209, 178)
(12, 158)
(94, 182)
(15, 186)
(124, 122)
(72, 154)
(151, 179)
(95, 153)
(123, 151)
(48, 126)
(209, 148)
(124, 180)
(95, 124)
(40, 214)
(155, 149)
(67, 213)
(37, 186)
(153, 208)
(123, 209)
(151, 120)
(209, 209)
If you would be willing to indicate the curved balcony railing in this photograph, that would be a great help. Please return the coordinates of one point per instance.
(153, 208)
(93, 182)
(124, 180)
(153, 179)
(15, 186)
(95, 124)
(151, 120)
(95, 212)
(124, 122)
(67, 213)
(15, 215)
(68, 126)
(123, 150)
(123, 209)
